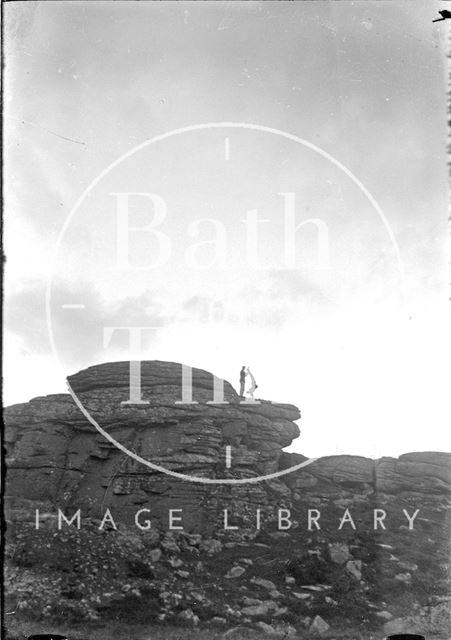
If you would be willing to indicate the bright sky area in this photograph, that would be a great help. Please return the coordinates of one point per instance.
(360, 344)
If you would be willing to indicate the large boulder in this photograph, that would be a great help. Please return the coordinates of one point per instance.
(56, 454)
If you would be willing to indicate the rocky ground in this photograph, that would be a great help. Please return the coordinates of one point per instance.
(285, 579)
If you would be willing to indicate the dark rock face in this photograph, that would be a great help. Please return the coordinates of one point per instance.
(393, 573)
(68, 462)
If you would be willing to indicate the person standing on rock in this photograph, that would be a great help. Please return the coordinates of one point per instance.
(253, 386)
(242, 380)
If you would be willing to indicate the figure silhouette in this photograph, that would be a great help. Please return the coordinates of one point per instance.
(253, 386)
(242, 380)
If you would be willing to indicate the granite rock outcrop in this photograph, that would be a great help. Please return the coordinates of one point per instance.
(344, 542)
(56, 454)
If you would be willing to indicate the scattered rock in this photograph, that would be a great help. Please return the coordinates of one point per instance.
(175, 562)
(266, 584)
(235, 572)
(384, 615)
(189, 616)
(404, 577)
(313, 587)
(319, 625)
(196, 595)
(168, 543)
(339, 552)
(278, 631)
(193, 539)
(211, 546)
(354, 567)
(183, 574)
(267, 628)
(258, 610)
(155, 555)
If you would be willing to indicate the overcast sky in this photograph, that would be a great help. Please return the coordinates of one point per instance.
(359, 343)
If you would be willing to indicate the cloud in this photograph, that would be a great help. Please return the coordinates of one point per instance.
(78, 333)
